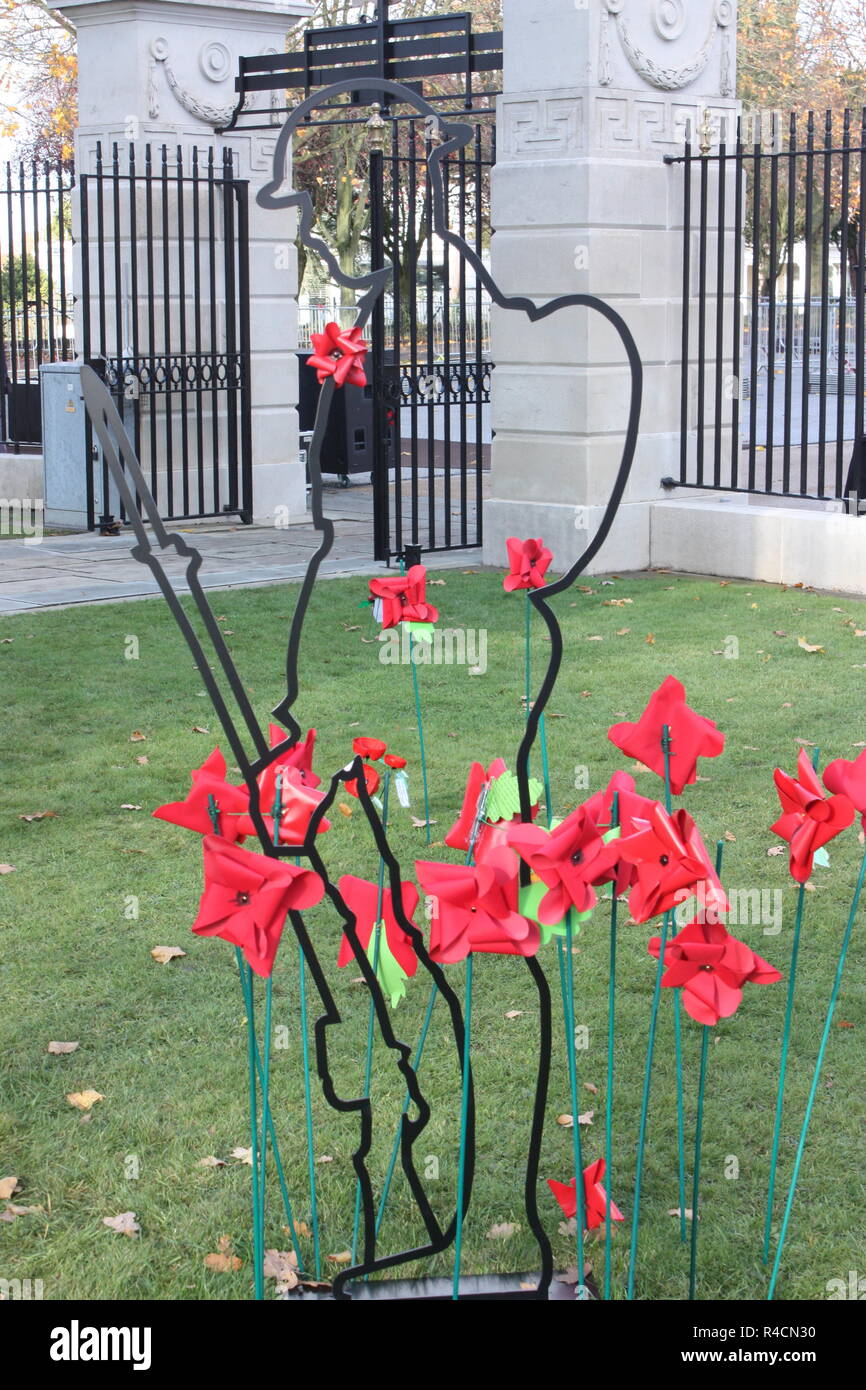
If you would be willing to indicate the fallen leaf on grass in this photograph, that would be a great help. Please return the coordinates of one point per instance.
(595, 639)
(8, 1188)
(143, 761)
(503, 1231)
(807, 646)
(675, 1211)
(125, 1224)
(242, 1155)
(344, 809)
(804, 743)
(777, 632)
(281, 1265)
(163, 954)
(301, 1229)
(211, 1162)
(419, 824)
(623, 631)
(567, 1121)
(650, 639)
(570, 1276)
(591, 1087)
(11, 1212)
(223, 1261)
(7, 868)
(774, 850)
(843, 1023)
(138, 737)
(731, 837)
(354, 628)
(130, 806)
(343, 1257)
(325, 1158)
(84, 1100)
(40, 815)
(514, 1013)
(62, 1049)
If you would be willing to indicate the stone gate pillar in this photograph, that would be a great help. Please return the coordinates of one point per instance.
(595, 93)
(162, 72)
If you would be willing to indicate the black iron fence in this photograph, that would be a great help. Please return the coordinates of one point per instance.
(165, 317)
(36, 311)
(431, 367)
(773, 341)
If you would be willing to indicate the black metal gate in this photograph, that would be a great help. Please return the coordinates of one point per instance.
(36, 312)
(431, 365)
(774, 308)
(165, 318)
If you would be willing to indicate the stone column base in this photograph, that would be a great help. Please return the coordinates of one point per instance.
(567, 531)
(279, 493)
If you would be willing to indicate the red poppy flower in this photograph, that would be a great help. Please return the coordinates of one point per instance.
(247, 896)
(692, 736)
(460, 834)
(671, 862)
(339, 352)
(809, 819)
(594, 1197)
(298, 803)
(404, 598)
(849, 779)
(710, 967)
(194, 813)
(475, 909)
(369, 747)
(529, 561)
(569, 860)
(393, 761)
(298, 756)
(371, 778)
(362, 899)
(631, 807)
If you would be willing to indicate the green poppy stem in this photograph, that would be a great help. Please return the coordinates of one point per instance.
(464, 1124)
(678, 1042)
(813, 1091)
(258, 1247)
(572, 1081)
(783, 1060)
(308, 1112)
(641, 1141)
(395, 1152)
(416, 688)
(696, 1179)
(371, 1016)
(425, 1028)
(783, 1071)
(699, 1129)
(608, 1116)
(681, 1124)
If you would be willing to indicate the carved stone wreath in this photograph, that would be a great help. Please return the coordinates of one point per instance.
(668, 17)
(211, 62)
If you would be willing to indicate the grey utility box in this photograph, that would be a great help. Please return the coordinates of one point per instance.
(64, 449)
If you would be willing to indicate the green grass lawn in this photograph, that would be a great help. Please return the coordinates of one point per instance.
(165, 1044)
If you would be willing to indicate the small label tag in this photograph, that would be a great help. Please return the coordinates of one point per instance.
(377, 609)
(401, 786)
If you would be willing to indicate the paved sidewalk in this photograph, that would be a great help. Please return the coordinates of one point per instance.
(60, 571)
